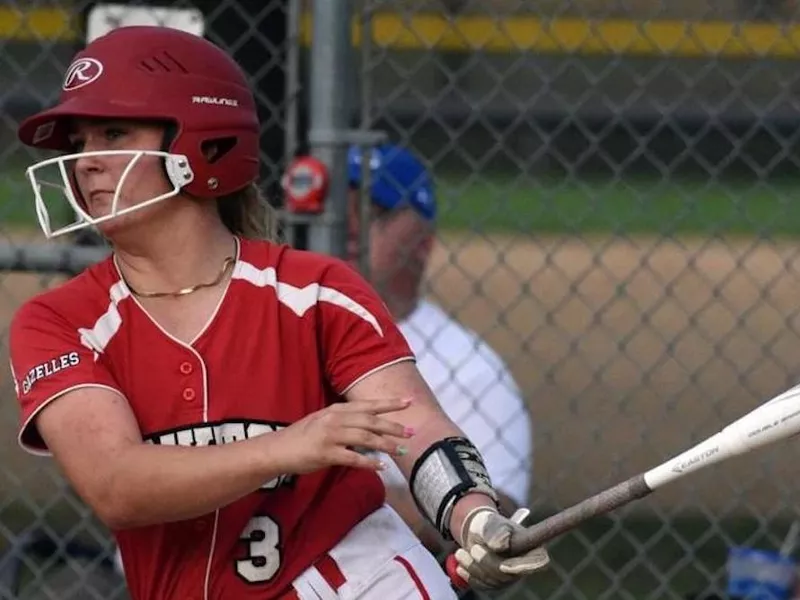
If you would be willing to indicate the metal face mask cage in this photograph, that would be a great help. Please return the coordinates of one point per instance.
(179, 174)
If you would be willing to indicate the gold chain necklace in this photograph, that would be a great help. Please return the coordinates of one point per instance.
(188, 290)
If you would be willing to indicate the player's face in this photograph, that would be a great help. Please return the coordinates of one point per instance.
(98, 178)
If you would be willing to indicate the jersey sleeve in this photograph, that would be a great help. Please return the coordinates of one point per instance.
(48, 360)
(357, 333)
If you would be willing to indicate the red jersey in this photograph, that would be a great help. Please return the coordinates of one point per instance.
(292, 333)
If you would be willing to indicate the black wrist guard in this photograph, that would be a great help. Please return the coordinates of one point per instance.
(444, 473)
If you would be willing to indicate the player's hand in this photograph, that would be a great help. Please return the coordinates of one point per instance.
(483, 561)
(338, 435)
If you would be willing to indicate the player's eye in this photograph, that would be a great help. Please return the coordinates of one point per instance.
(113, 134)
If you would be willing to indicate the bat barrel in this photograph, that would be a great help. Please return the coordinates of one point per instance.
(604, 502)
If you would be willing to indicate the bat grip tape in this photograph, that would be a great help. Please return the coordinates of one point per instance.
(553, 526)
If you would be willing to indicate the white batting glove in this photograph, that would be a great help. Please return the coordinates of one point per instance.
(483, 561)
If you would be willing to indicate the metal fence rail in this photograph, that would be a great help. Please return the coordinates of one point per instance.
(617, 220)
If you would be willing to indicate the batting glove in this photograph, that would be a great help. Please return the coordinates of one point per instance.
(483, 561)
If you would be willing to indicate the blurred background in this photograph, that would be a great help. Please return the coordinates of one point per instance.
(617, 184)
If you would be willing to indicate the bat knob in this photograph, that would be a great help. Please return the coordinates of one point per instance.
(450, 565)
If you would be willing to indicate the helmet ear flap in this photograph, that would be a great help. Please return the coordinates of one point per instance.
(223, 161)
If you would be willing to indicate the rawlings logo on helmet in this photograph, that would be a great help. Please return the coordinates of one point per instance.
(82, 72)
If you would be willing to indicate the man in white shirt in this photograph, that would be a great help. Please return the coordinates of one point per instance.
(470, 380)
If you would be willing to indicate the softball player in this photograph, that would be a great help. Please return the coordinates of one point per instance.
(203, 388)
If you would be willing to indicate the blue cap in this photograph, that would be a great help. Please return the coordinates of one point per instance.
(397, 177)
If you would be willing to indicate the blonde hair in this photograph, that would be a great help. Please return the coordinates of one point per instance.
(248, 214)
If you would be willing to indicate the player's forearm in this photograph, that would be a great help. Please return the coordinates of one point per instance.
(156, 484)
(428, 421)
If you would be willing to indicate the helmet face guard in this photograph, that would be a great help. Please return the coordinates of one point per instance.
(55, 174)
(150, 73)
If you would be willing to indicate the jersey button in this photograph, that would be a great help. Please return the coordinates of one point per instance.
(186, 368)
(188, 394)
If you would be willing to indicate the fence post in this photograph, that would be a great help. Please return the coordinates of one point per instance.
(329, 115)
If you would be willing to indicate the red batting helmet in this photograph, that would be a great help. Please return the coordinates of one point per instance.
(162, 74)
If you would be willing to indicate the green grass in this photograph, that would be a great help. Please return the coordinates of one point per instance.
(16, 199)
(17, 206)
(550, 205)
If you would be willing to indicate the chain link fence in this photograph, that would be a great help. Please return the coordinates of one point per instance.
(616, 188)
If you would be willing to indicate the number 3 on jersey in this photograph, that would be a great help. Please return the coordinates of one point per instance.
(262, 536)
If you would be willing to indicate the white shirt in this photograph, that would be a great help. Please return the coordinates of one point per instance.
(476, 390)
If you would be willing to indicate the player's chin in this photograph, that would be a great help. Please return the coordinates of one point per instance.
(120, 225)
(130, 222)
(109, 229)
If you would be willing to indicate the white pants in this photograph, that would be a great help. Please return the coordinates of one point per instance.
(380, 559)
